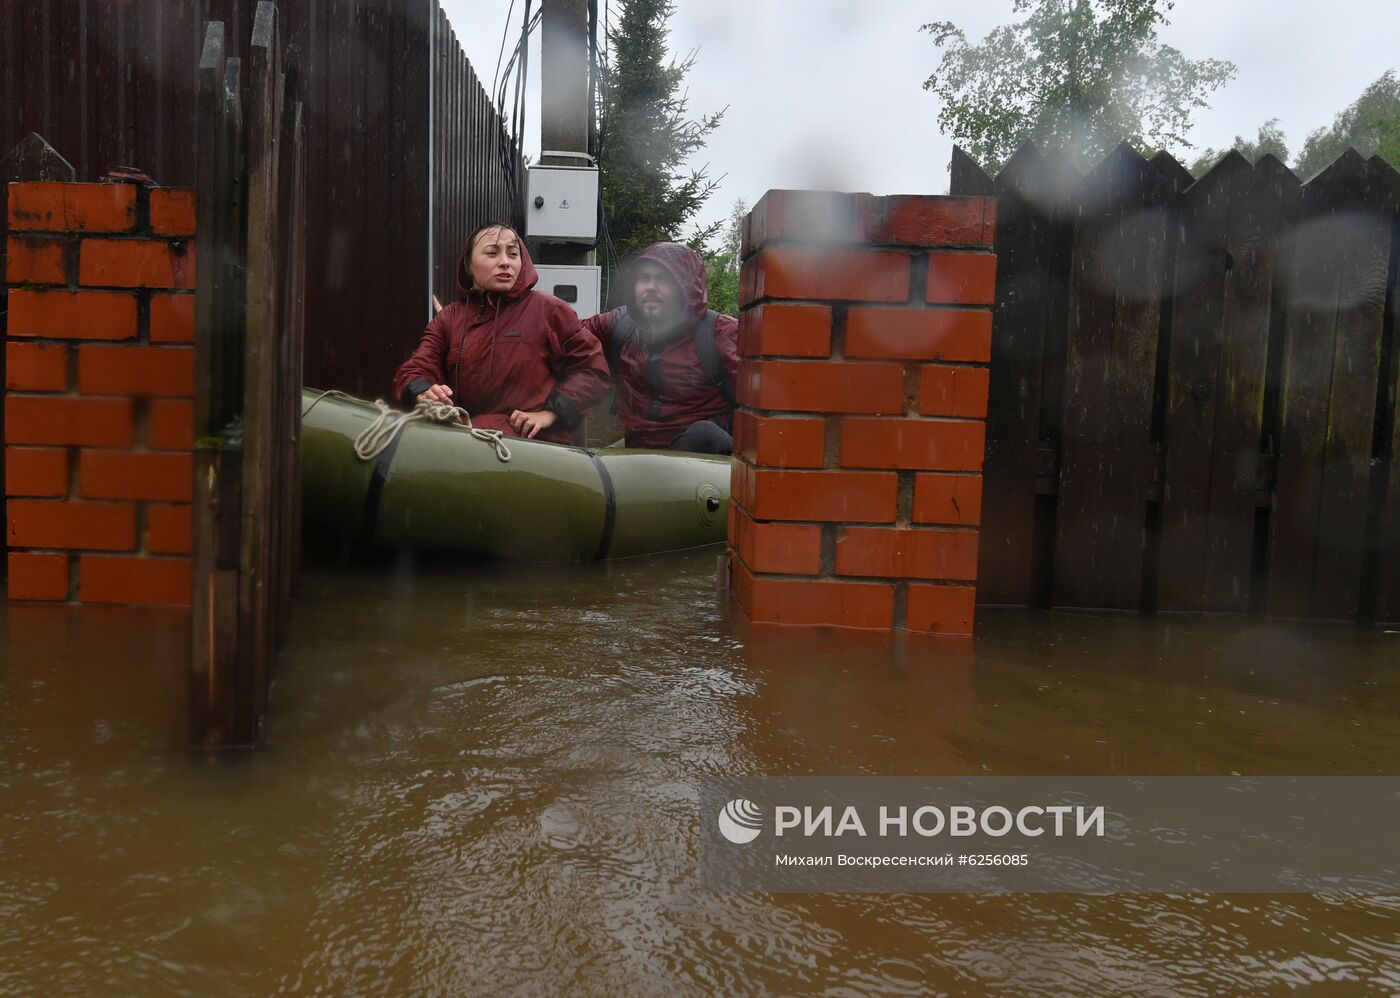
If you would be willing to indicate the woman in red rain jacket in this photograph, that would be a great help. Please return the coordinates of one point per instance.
(517, 360)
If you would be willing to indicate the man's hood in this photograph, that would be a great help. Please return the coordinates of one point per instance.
(524, 281)
(687, 269)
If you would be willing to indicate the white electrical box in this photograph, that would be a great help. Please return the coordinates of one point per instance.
(563, 204)
(579, 286)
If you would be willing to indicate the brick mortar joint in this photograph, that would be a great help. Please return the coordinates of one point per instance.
(775, 300)
(831, 442)
(840, 315)
(900, 611)
(75, 288)
(883, 580)
(826, 561)
(912, 528)
(913, 379)
(872, 242)
(918, 277)
(143, 238)
(87, 235)
(818, 579)
(904, 501)
(919, 306)
(143, 209)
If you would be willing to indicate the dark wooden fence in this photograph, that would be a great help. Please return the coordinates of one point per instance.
(248, 344)
(1193, 387)
(113, 82)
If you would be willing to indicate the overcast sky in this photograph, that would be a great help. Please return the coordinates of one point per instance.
(828, 93)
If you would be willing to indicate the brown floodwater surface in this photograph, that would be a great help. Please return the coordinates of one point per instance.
(483, 779)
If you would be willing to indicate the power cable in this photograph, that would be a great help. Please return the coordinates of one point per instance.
(505, 30)
(518, 124)
(510, 138)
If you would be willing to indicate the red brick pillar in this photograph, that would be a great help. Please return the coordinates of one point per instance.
(99, 424)
(865, 337)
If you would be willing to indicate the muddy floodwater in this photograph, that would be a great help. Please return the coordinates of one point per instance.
(483, 780)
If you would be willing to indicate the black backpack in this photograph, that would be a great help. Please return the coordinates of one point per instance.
(625, 329)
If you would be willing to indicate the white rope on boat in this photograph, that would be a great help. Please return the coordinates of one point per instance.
(376, 437)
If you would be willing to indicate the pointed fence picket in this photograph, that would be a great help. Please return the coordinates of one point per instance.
(249, 306)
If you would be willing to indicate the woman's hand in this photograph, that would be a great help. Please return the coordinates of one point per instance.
(437, 393)
(528, 424)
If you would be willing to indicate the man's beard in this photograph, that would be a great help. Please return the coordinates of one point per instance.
(653, 332)
(660, 328)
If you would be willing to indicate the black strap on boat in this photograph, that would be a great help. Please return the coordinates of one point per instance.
(369, 522)
(609, 507)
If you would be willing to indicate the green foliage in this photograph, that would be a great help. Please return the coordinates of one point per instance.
(646, 135)
(1388, 147)
(1370, 125)
(723, 284)
(1271, 141)
(722, 263)
(1083, 75)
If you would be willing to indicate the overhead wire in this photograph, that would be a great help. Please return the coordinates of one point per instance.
(505, 30)
(504, 82)
(503, 150)
(519, 126)
(511, 136)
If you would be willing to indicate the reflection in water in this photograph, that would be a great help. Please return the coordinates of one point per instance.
(483, 780)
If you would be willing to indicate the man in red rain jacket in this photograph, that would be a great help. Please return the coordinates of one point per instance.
(517, 360)
(674, 362)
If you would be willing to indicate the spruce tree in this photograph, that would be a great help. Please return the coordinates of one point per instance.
(645, 138)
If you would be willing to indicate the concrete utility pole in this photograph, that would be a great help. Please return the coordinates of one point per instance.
(565, 111)
(564, 80)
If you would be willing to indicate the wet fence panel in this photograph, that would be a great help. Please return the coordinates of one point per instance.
(1033, 194)
(248, 311)
(1106, 459)
(1342, 541)
(222, 708)
(1219, 432)
(1331, 369)
(1384, 196)
(262, 348)
(288, 366)
(1217, 375)
(1382, 578)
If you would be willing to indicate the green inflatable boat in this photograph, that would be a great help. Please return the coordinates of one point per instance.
(434, 485)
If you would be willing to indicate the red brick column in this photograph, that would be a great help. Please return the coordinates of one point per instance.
(99, 423)
(865, 337)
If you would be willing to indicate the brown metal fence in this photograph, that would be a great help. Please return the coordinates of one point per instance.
(110, 82)
(477, 169)
(1193, 387)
